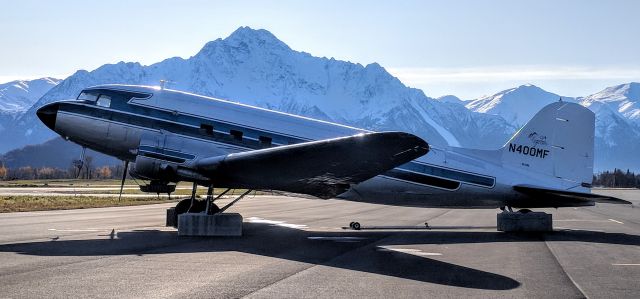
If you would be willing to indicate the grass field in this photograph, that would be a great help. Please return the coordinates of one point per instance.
(78, 194)
(42, 203)
(71, 183)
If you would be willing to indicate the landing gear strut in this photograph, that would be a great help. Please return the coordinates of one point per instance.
(506, 208)
(208, 206)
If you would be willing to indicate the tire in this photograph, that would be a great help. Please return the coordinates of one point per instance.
(213, 209)
(351, 224)
(524, 211)
(183, 206)
(356, 225)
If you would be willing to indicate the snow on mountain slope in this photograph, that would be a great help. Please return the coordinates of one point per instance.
(254, 67)
(18, 96)
(516, 105)
(624, 98)
(617, 140)
(617, 134)
(451, 99)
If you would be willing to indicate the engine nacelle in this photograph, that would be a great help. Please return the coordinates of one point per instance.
(154, 169)
(169, 158)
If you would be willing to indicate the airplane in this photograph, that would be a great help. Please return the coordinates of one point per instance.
(172, 136)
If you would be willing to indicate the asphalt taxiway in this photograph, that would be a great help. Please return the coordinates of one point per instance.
(296, 247)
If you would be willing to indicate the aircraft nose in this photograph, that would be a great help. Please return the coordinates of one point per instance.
(47, 114)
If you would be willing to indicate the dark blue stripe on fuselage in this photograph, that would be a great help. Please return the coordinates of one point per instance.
(422, 179)
(121, 111)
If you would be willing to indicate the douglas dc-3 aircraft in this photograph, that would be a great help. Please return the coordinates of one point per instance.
(175, 136)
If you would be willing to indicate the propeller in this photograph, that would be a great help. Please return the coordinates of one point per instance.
(80, 163)
(124, 177)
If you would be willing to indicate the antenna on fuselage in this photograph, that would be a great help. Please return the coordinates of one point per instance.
(162, 83)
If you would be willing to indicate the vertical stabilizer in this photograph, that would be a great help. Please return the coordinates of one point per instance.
(558, 141)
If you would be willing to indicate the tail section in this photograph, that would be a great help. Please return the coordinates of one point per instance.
(558, 141)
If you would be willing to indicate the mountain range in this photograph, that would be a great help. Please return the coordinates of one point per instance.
(16, 97)
(254, 67)
(617, 109)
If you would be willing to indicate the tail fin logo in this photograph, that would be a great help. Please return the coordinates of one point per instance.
(538, 139)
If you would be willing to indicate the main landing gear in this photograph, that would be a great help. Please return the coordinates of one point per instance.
(206, 207)
(510, 210)
(524, 220)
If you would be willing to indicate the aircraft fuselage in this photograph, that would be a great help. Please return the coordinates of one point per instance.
(130, 122)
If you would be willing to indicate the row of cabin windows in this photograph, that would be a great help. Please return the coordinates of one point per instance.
(207, 129)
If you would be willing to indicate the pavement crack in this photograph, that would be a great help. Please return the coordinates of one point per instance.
(555, 257)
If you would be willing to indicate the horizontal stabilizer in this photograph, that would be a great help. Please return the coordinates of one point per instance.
(564, 198)
(323, 168)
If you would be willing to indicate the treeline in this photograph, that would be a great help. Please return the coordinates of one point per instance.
(610, 179)
(75, 171)
(617, 179)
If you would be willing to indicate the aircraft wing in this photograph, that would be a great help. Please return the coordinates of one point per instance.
(323, 168)
(563, 196)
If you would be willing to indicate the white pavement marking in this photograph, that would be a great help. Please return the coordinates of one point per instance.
(616, 221)
(412, 251)
(578, 229)
(625, 264)
(75, 230)
(339, 239)
(275, 222)
(579, 220)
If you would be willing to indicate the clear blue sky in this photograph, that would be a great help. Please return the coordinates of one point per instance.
(466, 48)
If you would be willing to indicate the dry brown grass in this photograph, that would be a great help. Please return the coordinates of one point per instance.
(44, 203)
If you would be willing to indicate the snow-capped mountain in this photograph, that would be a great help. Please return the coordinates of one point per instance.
(624, 98)
(451, 99)
(516, 105)
(18, 96)
(617, 133)
(254, 67)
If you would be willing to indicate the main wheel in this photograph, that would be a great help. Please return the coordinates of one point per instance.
(183, 207)
(356, 225)
(213, 208)
(524, 211)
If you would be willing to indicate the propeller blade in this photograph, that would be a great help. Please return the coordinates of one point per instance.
(124, 177)
(80, 163)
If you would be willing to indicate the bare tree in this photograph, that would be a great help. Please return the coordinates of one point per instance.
(3, 171)
(88, 166)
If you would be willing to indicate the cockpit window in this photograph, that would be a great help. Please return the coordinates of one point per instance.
(88, 96)
(104, 101)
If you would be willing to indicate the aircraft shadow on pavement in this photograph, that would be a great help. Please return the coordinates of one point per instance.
(323, 248)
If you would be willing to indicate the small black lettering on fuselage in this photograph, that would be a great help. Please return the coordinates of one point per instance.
(528, 150)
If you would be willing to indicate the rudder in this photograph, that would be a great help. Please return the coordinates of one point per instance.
(558, 141)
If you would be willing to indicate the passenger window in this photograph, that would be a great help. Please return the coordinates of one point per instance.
(206, 129)
(86, 96)
(265, 141)
(237, 135)
(104, 101)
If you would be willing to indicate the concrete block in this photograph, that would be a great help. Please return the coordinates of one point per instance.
(172, 220)
(524, 222)
(223, 224)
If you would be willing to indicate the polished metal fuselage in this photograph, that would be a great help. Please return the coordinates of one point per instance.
(190, 127)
